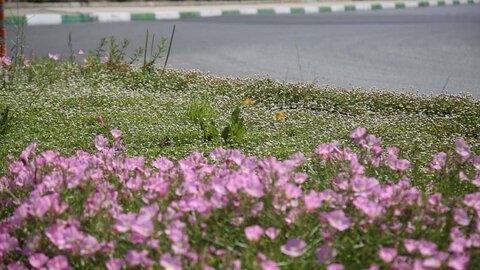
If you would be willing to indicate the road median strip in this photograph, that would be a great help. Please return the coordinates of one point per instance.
(56, 18)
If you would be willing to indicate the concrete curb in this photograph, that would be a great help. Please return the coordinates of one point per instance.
(56, 18)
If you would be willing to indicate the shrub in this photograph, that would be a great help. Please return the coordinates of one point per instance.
(227, 210)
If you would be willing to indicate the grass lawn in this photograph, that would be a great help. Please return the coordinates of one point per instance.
(58, 106)
(62, 106)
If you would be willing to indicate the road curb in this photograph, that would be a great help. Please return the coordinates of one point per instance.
(56, 18)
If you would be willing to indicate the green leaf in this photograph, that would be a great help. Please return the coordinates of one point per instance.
(226, 134)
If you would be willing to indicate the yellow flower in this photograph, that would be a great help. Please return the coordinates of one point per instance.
(279, 116)
(248, 102)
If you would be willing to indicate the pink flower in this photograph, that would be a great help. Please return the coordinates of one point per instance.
(462, 149)
(40, 206)
(362, 185)
(115, 264)
(143, 225)
(101, 143)
(7, 243)
(328, 151)
(335, 266)
(269, 265)
(168, 262)
(292, 191)
(116, 134)
(325, 254)
(472, 200)
(461, 217)
(294, 247)
(66, 235)
(369, 208)
(312, 200)
(254, 233)
(38, 260)
(256, 209)
(28, 152)
(104, 59)
(138, 258)
(459, 262)
(432, 263)
(476, 181)
(358, 135)
(476, 162)
(163, 164)
(427, 248)
(338, 220)
(410, 245)
(300, 178)
(6, 61)
(237, 265)
(400, 165)
(54, 56)
(272, 232)
(438, 162)
(459, 242)
(81, 52)
(387, 254)
(58, 263)
(16, 266)
(253, 186)
(124, 222)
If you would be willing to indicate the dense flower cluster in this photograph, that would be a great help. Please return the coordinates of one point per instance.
(116, 210)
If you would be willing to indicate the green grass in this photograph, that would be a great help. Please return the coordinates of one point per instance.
(376, 6)
(399, 5)
(456, 2)
(58, 106)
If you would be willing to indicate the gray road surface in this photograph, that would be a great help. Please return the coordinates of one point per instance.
(430, 50)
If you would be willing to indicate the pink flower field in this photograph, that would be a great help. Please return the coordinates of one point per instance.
(362, 209)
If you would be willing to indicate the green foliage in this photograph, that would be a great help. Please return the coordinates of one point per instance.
(200, 111)
(202, 114)
(209, 129)
(156, 51)
(235, 130)
(114, 53)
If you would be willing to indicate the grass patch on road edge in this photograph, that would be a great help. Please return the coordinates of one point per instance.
(59, 105)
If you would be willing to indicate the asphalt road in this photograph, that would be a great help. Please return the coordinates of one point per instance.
(429, 50)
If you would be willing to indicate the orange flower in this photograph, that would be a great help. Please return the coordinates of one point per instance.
(248, 102)
(279, 116)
